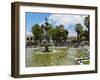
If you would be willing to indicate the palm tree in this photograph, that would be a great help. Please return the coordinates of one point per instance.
(87, 24)
(61, 27)
(86, 21)
(63, 34)
(78, 29)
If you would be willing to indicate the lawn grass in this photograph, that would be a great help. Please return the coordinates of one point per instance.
(48, 58)
(86, 62)
(81, 53)
(61, 56)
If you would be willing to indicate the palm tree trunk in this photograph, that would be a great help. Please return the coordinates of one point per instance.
(78, 38)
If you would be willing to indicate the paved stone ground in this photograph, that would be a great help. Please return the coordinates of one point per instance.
(29, 56)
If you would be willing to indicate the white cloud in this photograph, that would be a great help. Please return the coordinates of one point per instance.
(69, 21)
(66, 19)
(29, 34)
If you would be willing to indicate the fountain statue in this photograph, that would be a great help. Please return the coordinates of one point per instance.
(46, 38)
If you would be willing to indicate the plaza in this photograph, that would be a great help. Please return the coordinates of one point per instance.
(50, 45)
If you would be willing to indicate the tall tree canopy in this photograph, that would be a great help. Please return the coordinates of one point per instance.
(57, 33)
(79, 30)
(87, 24)
(37, 31)
(87, 21)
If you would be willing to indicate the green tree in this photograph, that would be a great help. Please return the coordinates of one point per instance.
(86, 35)
(60, 34)
(66, 34)
(63, 32)
(36, 30)
(87, 24)
(50, 29)
(79, 30)
(55, 33)
(86, 21)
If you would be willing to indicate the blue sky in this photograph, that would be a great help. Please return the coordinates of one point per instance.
(34, 18)
(69, 21)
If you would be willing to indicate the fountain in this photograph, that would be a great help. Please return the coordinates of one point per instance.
(46, 38)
